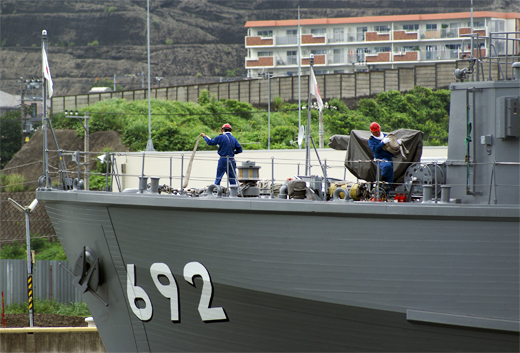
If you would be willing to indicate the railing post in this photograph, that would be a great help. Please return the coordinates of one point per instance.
(272, 177)
(182, 170)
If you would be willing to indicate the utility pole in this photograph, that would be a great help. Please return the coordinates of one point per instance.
(22, 107)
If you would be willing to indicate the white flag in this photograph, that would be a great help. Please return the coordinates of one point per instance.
(313, 89)
(301, 135)
(46, 72)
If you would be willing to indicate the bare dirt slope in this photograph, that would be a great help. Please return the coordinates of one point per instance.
(29, 160)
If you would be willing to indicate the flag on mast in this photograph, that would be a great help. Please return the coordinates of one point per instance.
(46, 72)
(315, 91)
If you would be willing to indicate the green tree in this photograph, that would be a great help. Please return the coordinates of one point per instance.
(10, 136)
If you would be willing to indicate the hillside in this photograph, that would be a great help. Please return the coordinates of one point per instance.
(191, 40)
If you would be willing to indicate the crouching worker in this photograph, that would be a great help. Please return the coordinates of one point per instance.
(228, 146)
(376, 142)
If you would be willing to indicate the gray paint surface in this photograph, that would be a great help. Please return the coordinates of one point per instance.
(313, 259)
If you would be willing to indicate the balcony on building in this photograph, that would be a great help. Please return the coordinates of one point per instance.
(407, 56)
(404, 35)
(256, 41)
(318, 60)
(376, 37)
(313, 39)
(264, 61)
(378, 57)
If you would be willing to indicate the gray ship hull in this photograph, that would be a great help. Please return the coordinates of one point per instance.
(295, 275)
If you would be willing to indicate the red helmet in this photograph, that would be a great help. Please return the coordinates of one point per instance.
(374, 127)
(226, 127)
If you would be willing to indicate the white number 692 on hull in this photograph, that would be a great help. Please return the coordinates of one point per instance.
(193, 269)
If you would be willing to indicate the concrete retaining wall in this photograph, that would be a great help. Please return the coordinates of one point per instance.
(51, 340)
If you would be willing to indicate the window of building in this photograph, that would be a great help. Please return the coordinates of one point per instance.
(361, 33)
(431, 26)
(409, 48)
(292, 58)
(319, 51)
(265, 33)
(454, 25)
(411, 27)
(320, 72)
(382, 29)
(292, 73)
(338, 35)
(292, 32)
(339, 71)
(360, 54)
(477, 24)
(338, 56)
(452, 46)
(380, 49)
(453, 50)
(497, 25)
(319, 31)
(265, 53)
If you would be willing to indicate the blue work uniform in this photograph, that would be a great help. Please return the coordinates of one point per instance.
(387, 167)
(228, 146)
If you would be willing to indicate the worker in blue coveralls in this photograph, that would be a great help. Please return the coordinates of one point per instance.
(376, 142)
(228, 146)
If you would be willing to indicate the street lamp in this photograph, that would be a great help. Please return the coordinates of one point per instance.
(28, 210)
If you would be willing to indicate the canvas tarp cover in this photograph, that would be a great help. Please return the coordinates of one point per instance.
(339, 142)
(359, 159)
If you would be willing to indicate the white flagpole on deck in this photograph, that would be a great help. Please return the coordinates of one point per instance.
(313, 91)
(47, 86)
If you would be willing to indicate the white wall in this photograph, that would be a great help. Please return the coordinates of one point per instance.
(286, 164)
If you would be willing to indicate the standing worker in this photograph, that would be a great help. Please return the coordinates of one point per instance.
(376, 142)
(228, 146)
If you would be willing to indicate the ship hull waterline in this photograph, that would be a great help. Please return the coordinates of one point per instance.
(297, 275)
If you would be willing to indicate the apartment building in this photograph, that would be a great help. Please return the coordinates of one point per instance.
(343, 45)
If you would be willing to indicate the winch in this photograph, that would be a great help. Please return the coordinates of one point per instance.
(248, 176)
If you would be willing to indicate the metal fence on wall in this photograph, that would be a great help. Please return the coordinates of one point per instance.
(50, 281)
(342, 85)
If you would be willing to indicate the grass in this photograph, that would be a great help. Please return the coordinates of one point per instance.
(50, 307)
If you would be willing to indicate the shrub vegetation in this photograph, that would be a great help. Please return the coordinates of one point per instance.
(44, 249)
(175, 125)
(50, 307)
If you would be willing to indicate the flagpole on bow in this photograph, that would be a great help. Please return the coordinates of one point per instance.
(44, 116)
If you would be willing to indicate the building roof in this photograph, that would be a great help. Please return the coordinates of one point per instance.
(8, 100)
(393, 18)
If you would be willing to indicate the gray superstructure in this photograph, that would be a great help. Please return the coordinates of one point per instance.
(166, 272)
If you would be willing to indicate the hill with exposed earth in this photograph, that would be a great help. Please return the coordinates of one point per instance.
(191, 40)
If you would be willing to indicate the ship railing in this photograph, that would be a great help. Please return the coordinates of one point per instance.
(328, 171)
(503, 50)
